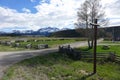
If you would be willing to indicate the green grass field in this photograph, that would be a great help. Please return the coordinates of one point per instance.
(111, 42)
(8, 48)
(52, 42)
(56, 66)
(112, 48)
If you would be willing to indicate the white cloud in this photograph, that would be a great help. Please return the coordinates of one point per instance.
(11, 18)
(112, 11)
(26, 10)
(107, 2)
(59, 13)
(32, 0)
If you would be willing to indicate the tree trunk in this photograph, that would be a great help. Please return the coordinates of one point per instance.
(89, 35)
(89, 46)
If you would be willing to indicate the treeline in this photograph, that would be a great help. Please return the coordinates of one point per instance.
(10, 34)
(66, 33)
(80, 33)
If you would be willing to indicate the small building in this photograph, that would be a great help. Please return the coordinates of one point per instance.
(115, 30)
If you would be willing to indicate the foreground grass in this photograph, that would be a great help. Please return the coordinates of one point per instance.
(56, 66)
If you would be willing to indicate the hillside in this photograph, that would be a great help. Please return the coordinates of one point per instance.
(77, 33)
(67, 33)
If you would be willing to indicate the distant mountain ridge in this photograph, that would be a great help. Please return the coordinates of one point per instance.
(65, 32)
(48, 29)
(42, 31)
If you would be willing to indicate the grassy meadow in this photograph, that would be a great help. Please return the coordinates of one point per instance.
(112, 48)
(50, 42)
(111, 42)
(56, 66)
(8, 48)
(34, 41)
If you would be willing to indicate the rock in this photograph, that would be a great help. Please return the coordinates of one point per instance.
(28, 46)
(42, 46)
(35, 40)
(53, 78)
(105, 47)
(8, 43)
(17, 44)
(12, 41)
(84, 72)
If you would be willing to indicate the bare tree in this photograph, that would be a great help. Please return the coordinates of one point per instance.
(83, 18)
(88, 12)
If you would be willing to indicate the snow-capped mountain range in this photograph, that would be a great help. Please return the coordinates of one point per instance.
(49, 29)
(42, 31)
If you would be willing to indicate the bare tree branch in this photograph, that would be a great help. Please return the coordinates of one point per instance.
(88, 12)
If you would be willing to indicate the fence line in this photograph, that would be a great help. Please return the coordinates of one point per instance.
(117, 59)
(85, 54)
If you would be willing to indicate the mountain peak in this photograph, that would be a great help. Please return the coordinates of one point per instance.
(49, 29)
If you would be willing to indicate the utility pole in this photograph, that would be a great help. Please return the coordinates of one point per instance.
(95, 45)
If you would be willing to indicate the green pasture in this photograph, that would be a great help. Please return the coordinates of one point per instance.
(111, 42)
(8, 48)
(51, 42)
(56, 66)
(112, 48)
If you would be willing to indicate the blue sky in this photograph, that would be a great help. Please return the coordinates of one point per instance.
(35, 14)
(19, 4)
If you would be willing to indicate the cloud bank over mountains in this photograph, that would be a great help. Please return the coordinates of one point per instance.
(54, 13)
